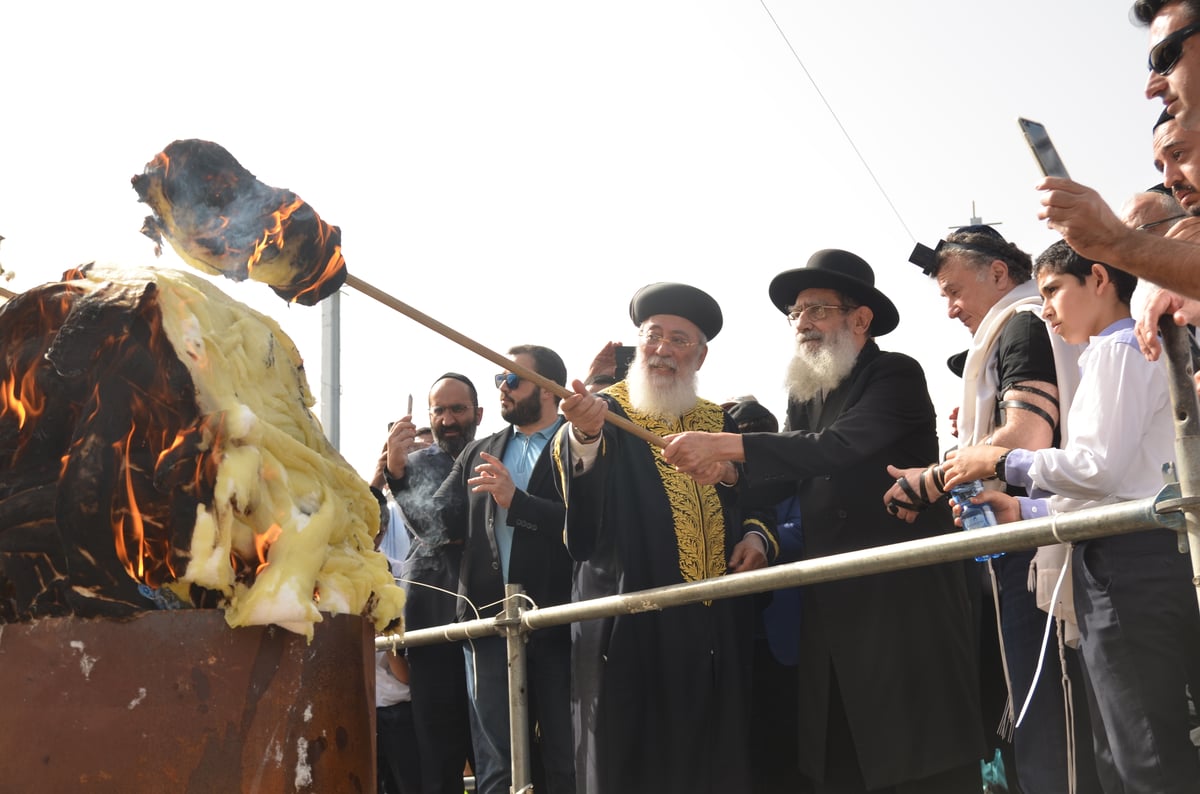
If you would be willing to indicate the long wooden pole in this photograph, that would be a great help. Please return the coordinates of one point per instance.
(491, 355)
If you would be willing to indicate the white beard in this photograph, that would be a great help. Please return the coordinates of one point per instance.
(813, 371)
(667, 396)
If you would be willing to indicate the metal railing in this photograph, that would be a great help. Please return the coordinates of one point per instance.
(1174, 507)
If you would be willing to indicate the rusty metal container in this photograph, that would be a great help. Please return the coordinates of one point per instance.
(178, 701)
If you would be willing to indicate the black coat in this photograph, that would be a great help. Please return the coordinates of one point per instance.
(432, 558)
(538, 559)
(660, 698)
(902, 644)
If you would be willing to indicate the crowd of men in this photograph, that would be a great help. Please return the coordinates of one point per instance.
(1064, 406)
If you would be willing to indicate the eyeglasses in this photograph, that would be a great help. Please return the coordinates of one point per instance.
(511, 378)
(679, 341)
(458, 409)
(1145, 227)
(1165, 54)
(815, 311)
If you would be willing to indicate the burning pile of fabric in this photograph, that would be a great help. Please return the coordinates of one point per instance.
(158, 449)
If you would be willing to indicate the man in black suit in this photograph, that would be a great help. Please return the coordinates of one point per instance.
(889, 692)
(501, 501)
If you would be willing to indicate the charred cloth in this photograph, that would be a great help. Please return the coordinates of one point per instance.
(156, 450)
(222, 220)
(91, 407)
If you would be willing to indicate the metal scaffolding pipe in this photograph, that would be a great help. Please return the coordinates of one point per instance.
(1177, 348)
(518, 692)
(1150, 513)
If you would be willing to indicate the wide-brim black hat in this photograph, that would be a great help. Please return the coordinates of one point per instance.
(831, 268)
(681, 300)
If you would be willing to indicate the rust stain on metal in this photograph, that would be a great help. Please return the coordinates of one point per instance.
(178, 701)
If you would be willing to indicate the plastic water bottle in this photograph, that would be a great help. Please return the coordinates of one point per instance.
(974, 516)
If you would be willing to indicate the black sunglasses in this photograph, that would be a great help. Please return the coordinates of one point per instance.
(511, 378)
(1165, 54)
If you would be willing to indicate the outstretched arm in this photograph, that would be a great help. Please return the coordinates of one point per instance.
(1094, 231)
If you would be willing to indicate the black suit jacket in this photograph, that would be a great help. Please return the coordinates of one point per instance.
(901, 644)
(538, 560)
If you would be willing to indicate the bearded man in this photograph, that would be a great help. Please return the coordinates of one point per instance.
(437, 676)
(889, 686)
(499, 500)
(660, 700)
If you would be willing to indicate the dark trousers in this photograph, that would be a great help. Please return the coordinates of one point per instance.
(439, 700)
(552, 747)
(773, 724)
(1140, 630)
(398, 758)
(844, 776)
(1040, 743)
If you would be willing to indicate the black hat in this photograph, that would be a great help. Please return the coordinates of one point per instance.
(680, 300)
(752, 416)
(957, 363)
(831, 268)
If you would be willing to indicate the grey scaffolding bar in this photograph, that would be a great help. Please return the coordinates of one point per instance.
(1174, 507)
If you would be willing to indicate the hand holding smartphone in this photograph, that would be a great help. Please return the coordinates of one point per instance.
(1039, 143)
(624, 355)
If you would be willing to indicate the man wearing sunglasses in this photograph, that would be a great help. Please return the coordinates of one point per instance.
(501, 501)
(661, 699)
(436, 677)
(1174, 56)
(1086, 222)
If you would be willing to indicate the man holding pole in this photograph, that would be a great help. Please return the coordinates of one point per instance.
(660, 699)
(889, 667)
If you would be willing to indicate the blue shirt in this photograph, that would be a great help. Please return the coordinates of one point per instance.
(520, 455)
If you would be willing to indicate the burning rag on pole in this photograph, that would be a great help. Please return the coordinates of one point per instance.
(222, 220)
(157, 448)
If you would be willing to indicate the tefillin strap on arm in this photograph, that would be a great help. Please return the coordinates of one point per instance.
(1024, 406)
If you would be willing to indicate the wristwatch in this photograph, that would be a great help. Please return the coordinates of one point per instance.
(1000, 461)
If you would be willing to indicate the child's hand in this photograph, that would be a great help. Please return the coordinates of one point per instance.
(1007, 508)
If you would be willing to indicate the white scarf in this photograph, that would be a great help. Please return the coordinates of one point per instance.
(977, 412)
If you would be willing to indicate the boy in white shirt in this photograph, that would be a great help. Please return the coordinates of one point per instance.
(1137, 611)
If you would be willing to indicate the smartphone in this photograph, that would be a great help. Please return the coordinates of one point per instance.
(1042, 148)
(624, 355)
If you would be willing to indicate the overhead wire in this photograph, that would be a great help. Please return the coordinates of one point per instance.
(838, 121)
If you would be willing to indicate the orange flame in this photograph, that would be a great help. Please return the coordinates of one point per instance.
(25, 403)
(332, 268)
(273, 236)
(180, 437)
(136, 527)
(262, 545)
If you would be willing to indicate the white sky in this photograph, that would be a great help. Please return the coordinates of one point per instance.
(518, 170)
